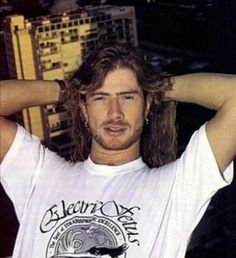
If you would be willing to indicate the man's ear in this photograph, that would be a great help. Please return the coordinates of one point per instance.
(82, 105)
(148, 103)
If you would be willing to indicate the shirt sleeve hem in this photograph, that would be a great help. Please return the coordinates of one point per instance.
(226, 177)
(19, 137)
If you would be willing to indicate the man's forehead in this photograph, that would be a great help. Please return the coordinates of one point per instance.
(118, 81)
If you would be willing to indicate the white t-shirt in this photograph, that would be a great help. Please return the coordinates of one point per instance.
(88, 210)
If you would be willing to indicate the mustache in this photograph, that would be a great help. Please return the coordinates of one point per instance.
(118, 123)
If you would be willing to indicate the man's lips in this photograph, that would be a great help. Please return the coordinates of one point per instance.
(115, 128)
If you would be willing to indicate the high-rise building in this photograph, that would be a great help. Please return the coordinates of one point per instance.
(3, 69)
(51, 47)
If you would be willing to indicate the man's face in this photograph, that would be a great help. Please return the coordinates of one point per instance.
(116, 111)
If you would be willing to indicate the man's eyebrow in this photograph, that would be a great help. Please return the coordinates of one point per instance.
(128, 92)
(95, 93)
(102, 93)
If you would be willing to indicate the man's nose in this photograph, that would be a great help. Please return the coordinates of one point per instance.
(115, 110)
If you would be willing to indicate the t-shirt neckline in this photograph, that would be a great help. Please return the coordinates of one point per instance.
(109, 170)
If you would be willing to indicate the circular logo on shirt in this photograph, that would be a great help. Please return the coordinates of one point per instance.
(87, 237)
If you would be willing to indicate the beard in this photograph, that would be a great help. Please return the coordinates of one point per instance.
(111, 144)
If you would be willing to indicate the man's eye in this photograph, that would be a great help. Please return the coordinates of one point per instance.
(128, 97)
(98, 98)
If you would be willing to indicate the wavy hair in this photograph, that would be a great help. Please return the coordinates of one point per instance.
(158, 139)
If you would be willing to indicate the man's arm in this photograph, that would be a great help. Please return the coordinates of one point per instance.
(16, 95)
(216, 92)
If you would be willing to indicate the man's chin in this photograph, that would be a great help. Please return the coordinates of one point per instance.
(115, 145)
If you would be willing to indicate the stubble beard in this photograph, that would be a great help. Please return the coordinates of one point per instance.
(117, 145)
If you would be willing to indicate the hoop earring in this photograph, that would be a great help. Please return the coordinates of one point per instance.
(86, 124)
(146, 121)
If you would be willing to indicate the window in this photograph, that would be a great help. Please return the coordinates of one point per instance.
(109, 23)
(120, 35)
(118, 21)
(50, 110)
(77, 16)
(56, 65)
(128, 22)
(74, 38)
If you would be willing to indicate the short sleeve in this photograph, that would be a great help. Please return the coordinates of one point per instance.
(21, 167)
(198, 178)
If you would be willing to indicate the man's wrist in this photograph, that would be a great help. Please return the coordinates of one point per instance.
(62, 90)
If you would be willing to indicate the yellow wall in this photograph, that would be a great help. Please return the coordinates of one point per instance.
(26, 55)
(33, 121)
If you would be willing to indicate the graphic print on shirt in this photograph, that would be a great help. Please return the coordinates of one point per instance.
(81, 229)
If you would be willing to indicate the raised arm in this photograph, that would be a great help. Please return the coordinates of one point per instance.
(16, 95)
(218, 92)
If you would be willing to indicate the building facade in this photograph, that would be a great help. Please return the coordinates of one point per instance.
(51, 47)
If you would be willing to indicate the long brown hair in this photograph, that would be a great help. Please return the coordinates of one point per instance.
(158, 139)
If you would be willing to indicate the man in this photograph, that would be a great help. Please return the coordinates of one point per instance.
(110, 203)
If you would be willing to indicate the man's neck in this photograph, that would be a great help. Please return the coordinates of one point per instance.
(114, 157)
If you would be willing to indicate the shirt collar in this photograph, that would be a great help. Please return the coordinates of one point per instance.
(109, 170)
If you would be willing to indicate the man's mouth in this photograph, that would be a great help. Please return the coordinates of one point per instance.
(115, 129)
